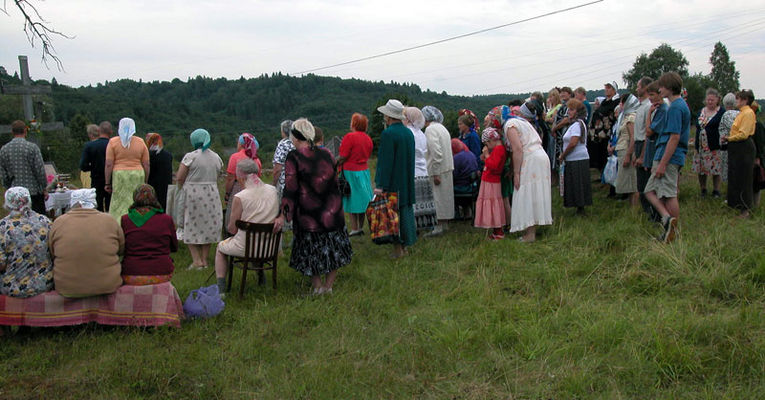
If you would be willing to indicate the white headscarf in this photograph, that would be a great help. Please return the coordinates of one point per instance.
(85, 197)
(126, 131)
(630, 106)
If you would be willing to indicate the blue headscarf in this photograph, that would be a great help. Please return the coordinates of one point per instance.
(200, 138)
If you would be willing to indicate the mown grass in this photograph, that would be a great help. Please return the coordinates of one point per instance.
(595, 309)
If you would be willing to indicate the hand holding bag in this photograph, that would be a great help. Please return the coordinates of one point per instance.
(609, 173)
(342, 183)
(382, 214)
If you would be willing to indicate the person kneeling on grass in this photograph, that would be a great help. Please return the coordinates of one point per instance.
(149, 240)
(257, 203)
(671, 147)
(85, 245)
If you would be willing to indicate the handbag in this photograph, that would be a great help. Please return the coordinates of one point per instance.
(204, 302)
(382, 214)
(342, 184)
(609, 173)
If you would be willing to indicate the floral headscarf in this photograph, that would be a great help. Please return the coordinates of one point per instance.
(126, 131)
(154, 142)
(458, 146)
(497, 117)
(476, 126)
(250, 144)
(490, 134)
(18, 201)
(144, 206)
(432, 114)
(200, 139)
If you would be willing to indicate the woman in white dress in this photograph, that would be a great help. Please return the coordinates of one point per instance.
(532, 202)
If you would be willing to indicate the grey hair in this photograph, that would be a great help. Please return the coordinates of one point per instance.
(286, 127)
(93, 131)
(729, 101)
(246, 166)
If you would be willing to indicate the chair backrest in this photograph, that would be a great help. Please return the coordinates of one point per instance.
(262, 243)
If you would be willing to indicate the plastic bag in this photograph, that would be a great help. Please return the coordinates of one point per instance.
(382, 214)
(204, 302)
(609, 172)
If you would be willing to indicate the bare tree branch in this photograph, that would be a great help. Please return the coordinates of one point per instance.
(36, 28)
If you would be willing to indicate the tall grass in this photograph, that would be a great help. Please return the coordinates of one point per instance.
(596, 308)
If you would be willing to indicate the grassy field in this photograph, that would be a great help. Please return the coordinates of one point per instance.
(595, 309)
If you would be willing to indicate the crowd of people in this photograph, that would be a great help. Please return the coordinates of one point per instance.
(500, 177)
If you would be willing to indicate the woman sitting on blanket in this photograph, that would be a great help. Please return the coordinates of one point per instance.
(25, 266)
(85, 245)
(149, 240)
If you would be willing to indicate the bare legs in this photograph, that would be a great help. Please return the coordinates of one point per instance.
(716, 184)
(326, 287)
(199, 254)
(221, 265)
(357, 221)
(666, 206)
(530, 235)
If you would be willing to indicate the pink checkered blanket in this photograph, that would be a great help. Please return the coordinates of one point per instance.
(150, 305)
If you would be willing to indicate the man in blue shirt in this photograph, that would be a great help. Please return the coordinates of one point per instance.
(671, 148)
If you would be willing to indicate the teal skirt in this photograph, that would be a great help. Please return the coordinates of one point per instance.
(361, 191)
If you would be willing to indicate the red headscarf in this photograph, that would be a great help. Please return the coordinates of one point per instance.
(476, 126)
(458, 146)
(249, 144)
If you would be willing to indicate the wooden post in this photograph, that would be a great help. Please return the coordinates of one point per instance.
(29, 113)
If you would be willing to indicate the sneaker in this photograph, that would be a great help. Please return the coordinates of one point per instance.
(703, 193)
(670, 233)
(356, 233)
(716, 194)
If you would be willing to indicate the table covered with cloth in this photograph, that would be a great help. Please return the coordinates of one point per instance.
(150, 305)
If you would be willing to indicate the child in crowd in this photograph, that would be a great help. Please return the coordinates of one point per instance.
(671, 148)
(489, 208)
(654, 124)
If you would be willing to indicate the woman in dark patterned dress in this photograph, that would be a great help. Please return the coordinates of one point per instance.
(311, 200)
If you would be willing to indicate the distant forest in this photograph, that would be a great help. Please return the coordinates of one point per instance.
(224, 107)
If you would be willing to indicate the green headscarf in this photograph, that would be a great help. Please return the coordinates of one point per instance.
(200, 138)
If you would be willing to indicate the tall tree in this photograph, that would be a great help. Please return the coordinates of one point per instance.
(724, 74)
(662, 59)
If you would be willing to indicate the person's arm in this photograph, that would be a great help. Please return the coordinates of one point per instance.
(515, 143)
(121, 240)
(571, 146)
(563, 122)
(39, 167)
(277, 171)
(86, 163)
(236, 214)
(436, 153)
(384, 164)
(631, 146)
(183, 171)
(173, 236)
(109, 167)
(674, 139)
(145, 162)
(230, 179)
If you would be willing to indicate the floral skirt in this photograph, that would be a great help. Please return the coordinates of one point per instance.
(319, 253)
(707, 162)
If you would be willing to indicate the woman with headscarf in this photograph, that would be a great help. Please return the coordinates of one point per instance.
(149, 240)
(742, 153)
(707, 160)
(626, 178)
(355, 150)
(127, 166)
(25, 266)
(465, 175)
(577, 186)
(198, 173)
(440, 166)
(312, 201)
(494, 120)
(247, 148)
(532, 204)
(85, 246)
(467, 123)
(257, 203)
(161, 167)
(425, 204)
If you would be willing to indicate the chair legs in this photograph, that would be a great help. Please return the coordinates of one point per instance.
(245, 267)
(244, 278)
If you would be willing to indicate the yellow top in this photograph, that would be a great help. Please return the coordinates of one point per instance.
(743, 125)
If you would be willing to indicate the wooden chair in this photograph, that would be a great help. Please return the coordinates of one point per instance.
(261, 252)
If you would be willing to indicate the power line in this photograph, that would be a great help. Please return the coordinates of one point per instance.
(464, 35)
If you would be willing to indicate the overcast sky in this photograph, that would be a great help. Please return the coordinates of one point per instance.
(162, 40)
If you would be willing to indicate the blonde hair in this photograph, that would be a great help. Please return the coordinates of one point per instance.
(553, 97)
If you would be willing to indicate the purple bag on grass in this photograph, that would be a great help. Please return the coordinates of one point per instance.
(204, 302)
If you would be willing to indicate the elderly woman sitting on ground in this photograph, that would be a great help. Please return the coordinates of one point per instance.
(85, 245)
(258, 203)
(149, 240)
(25, 266)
